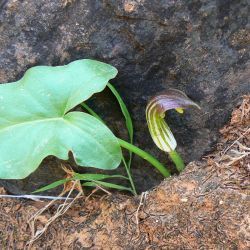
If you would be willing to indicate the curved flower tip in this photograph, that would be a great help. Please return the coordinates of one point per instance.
(171, 99)
(155, 113)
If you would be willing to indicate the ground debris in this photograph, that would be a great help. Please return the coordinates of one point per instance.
(206, 207)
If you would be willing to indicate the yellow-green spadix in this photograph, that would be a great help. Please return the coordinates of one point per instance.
(155, 113)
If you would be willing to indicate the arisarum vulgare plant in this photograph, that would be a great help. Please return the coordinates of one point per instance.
(46, 123)
(158, 128)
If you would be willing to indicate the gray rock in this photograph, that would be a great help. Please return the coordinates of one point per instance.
(200, 47)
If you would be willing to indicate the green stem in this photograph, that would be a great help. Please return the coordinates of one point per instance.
(176, 158)
(92, 112)
(146, 156)
(129, 176)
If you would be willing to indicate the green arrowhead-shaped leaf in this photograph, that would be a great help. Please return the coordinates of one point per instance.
(35, 120)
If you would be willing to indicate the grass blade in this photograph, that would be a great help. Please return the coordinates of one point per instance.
(107, 185)
(129, 123)
(96, 177)
(52, 185)
(126, 114)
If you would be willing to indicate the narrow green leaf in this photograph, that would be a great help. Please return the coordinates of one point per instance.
(129, 123)
(106, 184)
(127, 116)
(52, 185)
(97, 177)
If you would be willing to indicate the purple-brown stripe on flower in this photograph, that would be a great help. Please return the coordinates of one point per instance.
(155, 113)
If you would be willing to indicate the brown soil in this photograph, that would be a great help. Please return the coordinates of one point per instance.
(206, 207)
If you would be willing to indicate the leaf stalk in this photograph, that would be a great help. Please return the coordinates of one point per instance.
(146, 156)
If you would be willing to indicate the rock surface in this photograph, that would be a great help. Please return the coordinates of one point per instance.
(196, 46)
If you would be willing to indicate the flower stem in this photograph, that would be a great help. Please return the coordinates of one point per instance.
(176, 158)
(146, 156)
